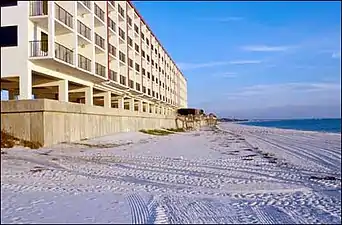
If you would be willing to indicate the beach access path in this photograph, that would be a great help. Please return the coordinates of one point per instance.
(231, 174)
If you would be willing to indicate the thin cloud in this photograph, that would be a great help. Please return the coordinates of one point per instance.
(222, 19)
(191, 66)
(226, 75)
(244, 62)
(266, 48)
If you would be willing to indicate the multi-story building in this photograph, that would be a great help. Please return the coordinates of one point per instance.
(91, 52)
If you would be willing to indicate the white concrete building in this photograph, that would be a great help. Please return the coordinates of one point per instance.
(90, 52)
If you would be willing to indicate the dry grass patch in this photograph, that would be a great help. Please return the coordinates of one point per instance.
(9, 141)
(157, 132)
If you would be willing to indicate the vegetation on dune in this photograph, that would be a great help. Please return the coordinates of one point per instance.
(176, 129)
(157, 132)
(9, 141)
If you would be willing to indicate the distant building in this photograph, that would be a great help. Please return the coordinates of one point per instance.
(91, 52)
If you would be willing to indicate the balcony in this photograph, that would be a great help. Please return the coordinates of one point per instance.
(112, 26)
(112, 51)
(99, 16)
(99, 44)
(111, 5)
(84, 36)
(84, 63)
(38, 48)
(65, 24)
(39, 13)
(83, 7)
(64, 54)
(100, 70)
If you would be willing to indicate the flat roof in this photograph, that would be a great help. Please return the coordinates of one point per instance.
(159, 42)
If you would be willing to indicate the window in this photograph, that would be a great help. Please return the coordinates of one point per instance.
(130, 41)
(142, 36)
(136, 47)
(131, 83)
(152, 47)
(155, 51)
(147, 42)
(144, 89)
(122, 57)
(153, 94)
(111, 49)
(159, 69)
(159, 55)
(157, 95)
(137, 67)
(163, 85)
(143, 53)
(136, 28)
(113, 75)
(157, 80)
(152, 77)
(137, 86)
(162, 59)
(148, 58)
(44, 42)
(112, 25)
(143, 71)
(152, 62)
(130, 62)
(149, 91)
(122, 33)
(148, 75)
(156, 66)
(129, 20)
(122, 80)
(121, 11)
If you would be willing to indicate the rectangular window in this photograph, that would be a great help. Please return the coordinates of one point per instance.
(142, 36)
(122, 57)
(144, 89)
(122, 80)
(136, 47)
(149, 91)
(136, 28)
(130, 41)
(121, 11)
(153, 94)
(148, 58)
(147, 42)
(129, 20)
(152, 77)
(122, 33)
(137, 67)
(148, 75)
(143, 71)
(130, 62)
(157, 80)
(137, 86)
(143, 53)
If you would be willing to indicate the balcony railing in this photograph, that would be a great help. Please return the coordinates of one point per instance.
(83, 30)
(38, 8)
(99, 41)
(99, 12)
(84, 63)
(38, 48)
(63, 53)
(86, 3)
(100, 70)
(63, 16)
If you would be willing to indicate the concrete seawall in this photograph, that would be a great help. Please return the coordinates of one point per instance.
(50, 122)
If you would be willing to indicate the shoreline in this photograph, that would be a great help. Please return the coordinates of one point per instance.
(242, 124)
(214, 175)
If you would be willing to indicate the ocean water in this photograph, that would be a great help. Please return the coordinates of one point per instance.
(320, 125)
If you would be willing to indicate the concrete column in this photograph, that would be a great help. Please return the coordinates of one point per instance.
(131, 104)
(25, 85)
(89, 96)
(63, 91)
(121, 103)
(107, 99)
(51, 28)
(140, 106)
(148, 107)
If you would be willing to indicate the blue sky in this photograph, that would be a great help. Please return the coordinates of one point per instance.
(255, 59)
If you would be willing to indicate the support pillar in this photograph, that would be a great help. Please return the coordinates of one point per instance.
(131, 104)
(107, 99)
(89, 99)
(63, 90)
(121, 103)
(51, 28)
(25, 85)
(148, 107)
(140, 106)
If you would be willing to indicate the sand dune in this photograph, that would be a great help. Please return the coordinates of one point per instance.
(232, 174)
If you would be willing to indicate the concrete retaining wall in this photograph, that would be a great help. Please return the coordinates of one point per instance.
(49, 122)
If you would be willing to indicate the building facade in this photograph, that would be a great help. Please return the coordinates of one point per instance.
(89, 52)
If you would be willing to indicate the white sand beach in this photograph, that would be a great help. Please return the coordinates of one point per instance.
(233, 174)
